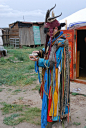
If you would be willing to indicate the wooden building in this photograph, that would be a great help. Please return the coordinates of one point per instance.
(76, 35)
(5, 36)
(1, 41)
(28, 33)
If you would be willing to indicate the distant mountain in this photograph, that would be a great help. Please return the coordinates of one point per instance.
(79, 16)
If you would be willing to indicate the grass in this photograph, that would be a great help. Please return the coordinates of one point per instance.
(30, 80)
(25, 90)
(9, 89)
(76, 123)
(24, 113)
(1, 89)
(74, 94)
(10, 108)
(17, 70)
(14, 74)
(15, 92)
(3, 61)
(20, 98)
(11, 120)
(31, 115)
(36, 88)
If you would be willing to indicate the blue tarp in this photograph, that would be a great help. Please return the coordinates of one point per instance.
(80, 24)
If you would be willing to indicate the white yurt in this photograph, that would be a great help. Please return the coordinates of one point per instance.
(77, 18)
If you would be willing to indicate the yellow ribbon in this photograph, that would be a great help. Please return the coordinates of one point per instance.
(53, 109)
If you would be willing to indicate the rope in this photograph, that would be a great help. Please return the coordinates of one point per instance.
(66, 80)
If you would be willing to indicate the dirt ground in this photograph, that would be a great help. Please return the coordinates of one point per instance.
(31, 97)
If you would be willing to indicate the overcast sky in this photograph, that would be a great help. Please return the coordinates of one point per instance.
(35, 10)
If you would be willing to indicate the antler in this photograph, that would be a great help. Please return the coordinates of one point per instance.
(53, 7)
(54, 17)
(48, 13)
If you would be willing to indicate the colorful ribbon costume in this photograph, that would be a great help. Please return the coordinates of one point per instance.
(55, 85)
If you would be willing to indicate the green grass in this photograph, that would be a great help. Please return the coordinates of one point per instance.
(20, 98)
(9, 89)
(11, 120)
(14, 74)
(76, 123)
(10, 108)
(31, 115)
(24, 113)
(1, 89)
(3, 61)
(15, 92)
(25, 90)
(74, 94)
(30, 80)
(36, 88)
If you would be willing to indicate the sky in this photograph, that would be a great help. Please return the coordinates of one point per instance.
(35, 10)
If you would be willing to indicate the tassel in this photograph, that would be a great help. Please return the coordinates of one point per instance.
(68, 113)
(63, 124)
(59, 119)
(37, 71)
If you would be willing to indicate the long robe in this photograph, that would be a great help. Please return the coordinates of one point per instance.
(55, 87)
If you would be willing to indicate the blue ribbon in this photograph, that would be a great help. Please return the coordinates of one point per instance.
(59, 119)
(44, 103)
(37, 71)
(56, 37)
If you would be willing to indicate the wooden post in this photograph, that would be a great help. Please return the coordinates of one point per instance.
(66, 25)
(78, 63)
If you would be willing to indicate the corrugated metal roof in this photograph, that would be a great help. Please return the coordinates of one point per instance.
(33, 22)
(25, 24)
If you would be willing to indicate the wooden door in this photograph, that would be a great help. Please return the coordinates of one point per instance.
(24, 36)
(69, 34)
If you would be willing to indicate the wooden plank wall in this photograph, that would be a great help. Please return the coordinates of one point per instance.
(5, 35)
(42, 35)
(31, 35)
(14, 32)
(26, 36)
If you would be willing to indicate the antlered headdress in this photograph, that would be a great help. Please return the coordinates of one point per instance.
(51, 23)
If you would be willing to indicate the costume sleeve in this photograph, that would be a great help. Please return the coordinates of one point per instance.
(41, 53)
(43, 63)
(43, 50)
(59, 56)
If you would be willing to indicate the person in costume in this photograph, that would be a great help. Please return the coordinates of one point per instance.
(55, 84)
